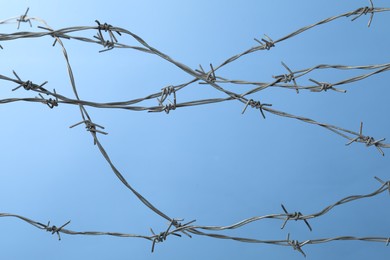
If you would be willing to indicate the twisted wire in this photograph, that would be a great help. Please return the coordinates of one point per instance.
(105, 37)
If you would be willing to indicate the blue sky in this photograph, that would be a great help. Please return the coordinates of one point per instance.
(208, 163)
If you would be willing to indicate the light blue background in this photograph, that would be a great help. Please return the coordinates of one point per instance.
(208, 163)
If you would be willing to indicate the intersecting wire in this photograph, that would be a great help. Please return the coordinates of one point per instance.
(202, 77)
(208, 78)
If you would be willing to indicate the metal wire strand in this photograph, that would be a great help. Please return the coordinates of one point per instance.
(111, 37)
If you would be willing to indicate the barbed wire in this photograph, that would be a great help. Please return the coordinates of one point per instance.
(298, 215)
(110, 37)
(188, 228)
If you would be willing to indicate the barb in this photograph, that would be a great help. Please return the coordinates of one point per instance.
(53, 229)
(162, 236)
(324, 86)
(364, 10)
(287, 77)
(182, 227)
(157, 238)
(255, 104)
(50, 102)
(296, 245)
(294, 216)
(23, 19)
(109, 44)
(368, 140)
(165, 92)
(90, 126)
(107, 28)
(208, 77)
(387, 183)
(27, 85)
(267, 43)
(299, 216)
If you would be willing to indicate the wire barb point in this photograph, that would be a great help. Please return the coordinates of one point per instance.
(294, 216)
(364, 10)
(287, 77)
(387, 183)
(162, 236)
(267, 43)
(324, 86)
(109, 44)
(53, 229)
(27, 85)
(296, 245)
(51, 103)
(255, 104)
(368, 140)
(90, 126)
(23, 19)
(208, 77)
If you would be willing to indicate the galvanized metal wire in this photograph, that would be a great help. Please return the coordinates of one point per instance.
(176, 228)
(111, 37)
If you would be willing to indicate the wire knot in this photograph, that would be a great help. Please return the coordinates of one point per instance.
(165, 92)
(255, 104)
(324, 86)
(53, 229)
(50, 102)
(294, 216)
(284, 77)
(27, 85)
(371, 141)
(169, 107)
(22, 19)
(287, 77)
(158, 238)
(208, 77)
(267, 43)
(109, 44)
(368, 140)
(90, 126)
(296, 245)
(106, 27)
(181, 227)
(364, 10)
(162, 236)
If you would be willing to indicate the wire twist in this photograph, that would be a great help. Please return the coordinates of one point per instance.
(23, 19)
(255, 104)
(53, 229)
(294, 216)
